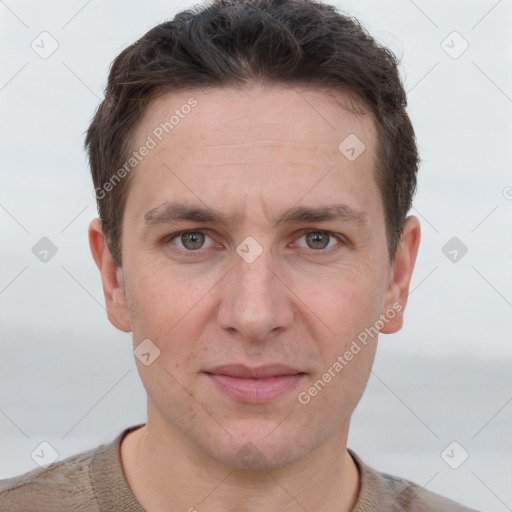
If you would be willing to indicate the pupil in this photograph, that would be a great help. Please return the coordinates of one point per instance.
(315, 238)
(194, 239)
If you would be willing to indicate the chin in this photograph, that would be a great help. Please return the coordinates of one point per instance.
(254, 456)
(252, 447)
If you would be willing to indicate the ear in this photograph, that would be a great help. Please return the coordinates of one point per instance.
(401, 273)
(111, 276)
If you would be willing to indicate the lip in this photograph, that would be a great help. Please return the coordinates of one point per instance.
(255, 385)
(259, 372)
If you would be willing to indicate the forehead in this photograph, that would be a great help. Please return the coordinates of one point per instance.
(310, 117)
(254, 140)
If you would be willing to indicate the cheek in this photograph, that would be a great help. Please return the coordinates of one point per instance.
(347, 303)
(344, 300)
(152, 303)
(346, 353)
(171, 310)
(158, 291)
(148, 305)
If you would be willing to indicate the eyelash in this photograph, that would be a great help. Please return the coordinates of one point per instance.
(316, 252)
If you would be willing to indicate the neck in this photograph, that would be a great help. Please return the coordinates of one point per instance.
(165, 472)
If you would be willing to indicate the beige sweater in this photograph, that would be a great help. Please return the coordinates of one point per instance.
(93, 481)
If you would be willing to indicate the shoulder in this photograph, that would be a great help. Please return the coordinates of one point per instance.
(390, 493)
(411, 497)
(63, 484)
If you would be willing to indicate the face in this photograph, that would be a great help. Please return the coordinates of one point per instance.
(254, 258)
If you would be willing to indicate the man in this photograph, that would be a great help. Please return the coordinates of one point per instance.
(254, 165)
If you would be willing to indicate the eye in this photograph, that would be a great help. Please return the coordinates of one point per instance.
(320, 241)
(190, 240)
(191, 243)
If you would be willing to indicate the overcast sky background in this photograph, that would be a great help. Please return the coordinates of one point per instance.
(68, 377)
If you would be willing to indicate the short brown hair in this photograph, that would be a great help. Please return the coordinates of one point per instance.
(237, 42)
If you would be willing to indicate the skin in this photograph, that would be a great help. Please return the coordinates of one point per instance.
(253, 154)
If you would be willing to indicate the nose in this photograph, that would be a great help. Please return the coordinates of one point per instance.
(256, 301)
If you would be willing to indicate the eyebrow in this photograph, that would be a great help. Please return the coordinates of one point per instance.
(170, 213)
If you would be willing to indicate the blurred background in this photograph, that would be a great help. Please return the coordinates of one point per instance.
(438, 406)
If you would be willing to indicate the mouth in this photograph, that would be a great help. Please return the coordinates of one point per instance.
(255, 385)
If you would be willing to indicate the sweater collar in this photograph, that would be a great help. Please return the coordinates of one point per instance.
(114, 493)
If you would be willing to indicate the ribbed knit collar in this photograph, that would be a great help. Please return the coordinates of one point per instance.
(114, 493)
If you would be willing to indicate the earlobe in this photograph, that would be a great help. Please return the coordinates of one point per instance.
(111, 277)
(401, 274)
